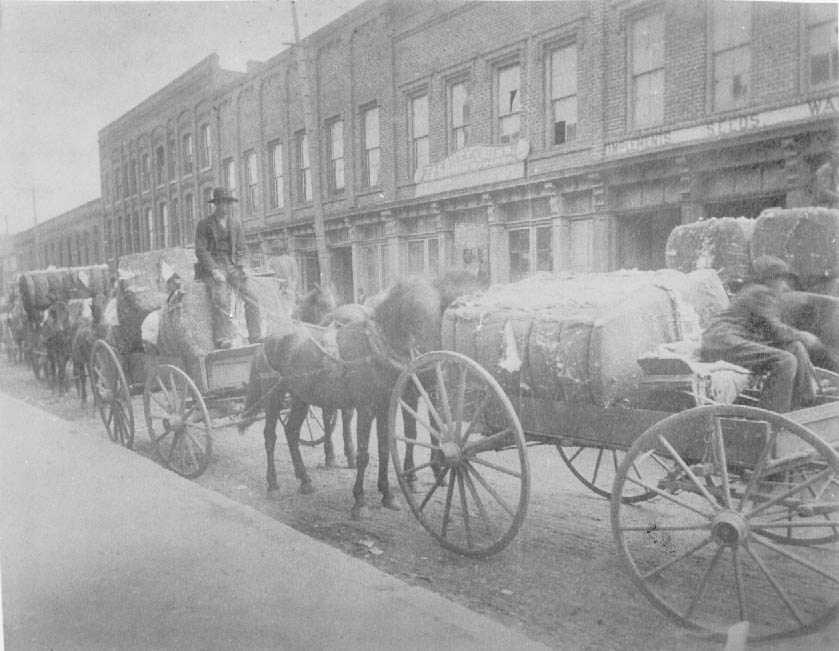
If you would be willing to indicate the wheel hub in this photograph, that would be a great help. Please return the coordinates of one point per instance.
(729, 528)
(451, 451)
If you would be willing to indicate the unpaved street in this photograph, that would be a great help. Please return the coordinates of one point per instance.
(558, 582)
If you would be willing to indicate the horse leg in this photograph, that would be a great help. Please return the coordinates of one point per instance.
(269, 433)
(365, 420)
(329, 417)
(389, 500)
(349, 448)
(298, 413)
(409, 427)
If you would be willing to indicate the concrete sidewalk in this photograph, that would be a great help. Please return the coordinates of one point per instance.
(102, 549)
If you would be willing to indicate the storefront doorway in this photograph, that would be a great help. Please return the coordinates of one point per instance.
(642, 238)
(342, 276)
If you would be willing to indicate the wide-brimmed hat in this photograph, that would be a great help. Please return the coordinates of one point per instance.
(222, 194)
(767, 267)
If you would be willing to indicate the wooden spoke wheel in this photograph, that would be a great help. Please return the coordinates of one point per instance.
(829, 383)
(111, 394)
(709, 549)
(317, 425)
(596, 468)
(178, 421)
(468, 482)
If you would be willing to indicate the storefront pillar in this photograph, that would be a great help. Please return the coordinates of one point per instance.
(394, 268)
(559, 228)
(499, 258)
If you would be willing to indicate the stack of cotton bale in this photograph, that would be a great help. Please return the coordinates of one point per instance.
(807, 239)
(577, 337)
(721, 244)
(40, 289)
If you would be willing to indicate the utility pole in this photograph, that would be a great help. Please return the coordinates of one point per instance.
(313, 139)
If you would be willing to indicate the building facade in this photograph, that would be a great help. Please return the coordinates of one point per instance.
(71, 239)
(503, 138)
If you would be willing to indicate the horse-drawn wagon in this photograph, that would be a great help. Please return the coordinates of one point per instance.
(187, 386)
(721, 512)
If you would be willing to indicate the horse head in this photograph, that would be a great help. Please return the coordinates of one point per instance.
(411, 315)
(316, 304)
(58, 317)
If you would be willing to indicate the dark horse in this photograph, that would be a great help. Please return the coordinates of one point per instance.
(312, 308)
(406, 320)
(354, 366)
(58, 338)
(86, 331)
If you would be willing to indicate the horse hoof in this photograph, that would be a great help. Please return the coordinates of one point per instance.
(391, 502)
(360, 512)
(307, 488)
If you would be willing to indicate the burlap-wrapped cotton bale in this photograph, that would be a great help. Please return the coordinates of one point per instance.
(142, 289)
(578, 337)
(185, 326)
(806, 238)
(40, 289)
(718, 243)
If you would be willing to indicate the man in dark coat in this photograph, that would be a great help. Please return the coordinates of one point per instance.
(220, 250)
(750, 333)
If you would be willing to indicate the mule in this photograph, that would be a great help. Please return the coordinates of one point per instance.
(354, 366)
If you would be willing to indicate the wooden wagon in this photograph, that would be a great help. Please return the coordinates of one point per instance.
(721, 513)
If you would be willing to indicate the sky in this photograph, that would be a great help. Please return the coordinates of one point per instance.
(67, 69)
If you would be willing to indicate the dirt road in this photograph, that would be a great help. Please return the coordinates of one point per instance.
(559, 581)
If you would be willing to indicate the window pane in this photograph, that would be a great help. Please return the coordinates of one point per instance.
(582, 245)
(373, 167)
(459, 107)
(732, 24)
(339, 174)
(303, 141)
(508, 90)
(421, 152)
(648, 43)
(731, 78)
(565, 120)
(419, 112)
(822, 43)
(564, 72)
(337, 140)
(416, 254)
(371, 128)
(649, 99)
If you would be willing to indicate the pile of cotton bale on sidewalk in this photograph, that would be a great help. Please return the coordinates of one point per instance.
(40, 289)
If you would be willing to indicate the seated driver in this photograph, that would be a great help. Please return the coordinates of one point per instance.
(751, 334)
(220, 250)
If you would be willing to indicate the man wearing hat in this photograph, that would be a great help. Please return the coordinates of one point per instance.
(220, 250)
(750, 333)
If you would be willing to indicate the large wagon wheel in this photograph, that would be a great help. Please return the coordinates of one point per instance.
(317, 425)
(829, 383)
(596, 467)
(178, 421)
(472, 474)
(111, 394)
(700, 550)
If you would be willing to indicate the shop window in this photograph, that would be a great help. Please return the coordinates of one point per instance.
(420, 142)
(335, 153)
(731, 51)
(373, 269)
(252, 180)
(370, 146)
(204, 156)
(304, 169)
(458, 116)
(544, 249)
(531, 250)
(563, 94)
(519, 254)
(822, 50)
(508, 98)
(647, 56)
(275, 160)
(424, 257)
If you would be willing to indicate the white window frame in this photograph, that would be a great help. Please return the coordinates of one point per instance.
(646, 69)
(275, 162)
(721, 49)
(335, 154)
(458, 114)
(304, 168)
(562, 95)
(252, 182)
(205, 153)
(508, 109)
(188, 153)
(820, 17)
(419, 132)
(370, 146)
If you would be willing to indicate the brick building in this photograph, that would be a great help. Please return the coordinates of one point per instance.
(506, 138)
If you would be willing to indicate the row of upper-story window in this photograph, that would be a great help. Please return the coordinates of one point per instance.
(139, 174)
(73, 250)
(730, 72)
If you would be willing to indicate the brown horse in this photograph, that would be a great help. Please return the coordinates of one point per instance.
(357, 366)
(352, 367)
